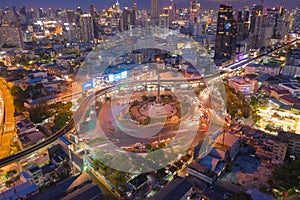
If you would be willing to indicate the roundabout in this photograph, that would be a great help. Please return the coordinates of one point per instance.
(149, 111)
(152, 113)
(173, 120)
(131, 145)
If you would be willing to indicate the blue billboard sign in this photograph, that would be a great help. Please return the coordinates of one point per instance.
(117, 77)
(87, 85)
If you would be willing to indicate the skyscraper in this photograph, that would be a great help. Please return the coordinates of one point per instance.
(70, 16)
(243, 23)
(257, 22)
(257, 10)
(86, 28)
(11, 36)
(95, 18)
(195, 7)
(296, 25)
(128, 19)
(226, 34)
(154, 12)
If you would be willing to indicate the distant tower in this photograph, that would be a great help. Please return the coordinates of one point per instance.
(226, 33)
(134, 7)
(256, 11)
(154, 9)
(87, 28)
(118, 5)
(11, 35)
(128, 19)
(158, 68)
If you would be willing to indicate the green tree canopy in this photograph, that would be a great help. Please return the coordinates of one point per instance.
(287, 175)
(241, 196)
(12, 177)
(61, 119)
(19, 97)
(39, 113)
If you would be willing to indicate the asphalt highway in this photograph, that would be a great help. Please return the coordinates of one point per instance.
(86, 103)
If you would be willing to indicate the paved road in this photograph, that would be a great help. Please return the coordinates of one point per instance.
(238, 65)
(9, 122)
(70, 126)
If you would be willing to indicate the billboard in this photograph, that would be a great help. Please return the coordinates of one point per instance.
(88, 85)
(117, 77)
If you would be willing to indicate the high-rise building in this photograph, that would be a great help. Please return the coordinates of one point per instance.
(226, 37)
(257, 10)
(93, 11)
(30, 15)
(79, 12)
(86, 28)
(95, 17)
(128, 19)
(11, 36)
(134, 7)
(195, 7)
(8, 16)
(243, 23)
(296, 25)
(172, 10)
(41, 14)
(70, 16)
(154, 12)
(277, 18)
(71, 28)
(256, 33)
(154, 9)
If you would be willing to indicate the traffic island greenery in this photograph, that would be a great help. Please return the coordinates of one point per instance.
(134, 112)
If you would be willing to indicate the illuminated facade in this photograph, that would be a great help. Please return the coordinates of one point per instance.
(226, 34)
(11, 36)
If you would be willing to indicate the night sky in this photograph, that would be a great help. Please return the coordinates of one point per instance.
(205, 4)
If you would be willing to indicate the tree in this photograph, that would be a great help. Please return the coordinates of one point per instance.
(121, 177)
(19, 97)
(148, 147)
(34, 91)
(135, 103)
(144, 98)
(241, 195)
(39, 113)
(253, 101)
(12, 177)
(96, 164)
(286, 176)
(61, 119)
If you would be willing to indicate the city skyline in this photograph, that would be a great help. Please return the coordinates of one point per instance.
(205, 4)
(152, 99)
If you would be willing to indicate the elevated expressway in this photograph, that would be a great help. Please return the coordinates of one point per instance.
(87, 101)
(80, 112)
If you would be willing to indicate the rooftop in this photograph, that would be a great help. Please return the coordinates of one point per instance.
(174, 190)
(227, 139)
(65, 188)
(139, 180)
(23, 190)
(290, 99)
(242, 81)
(209, 162)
